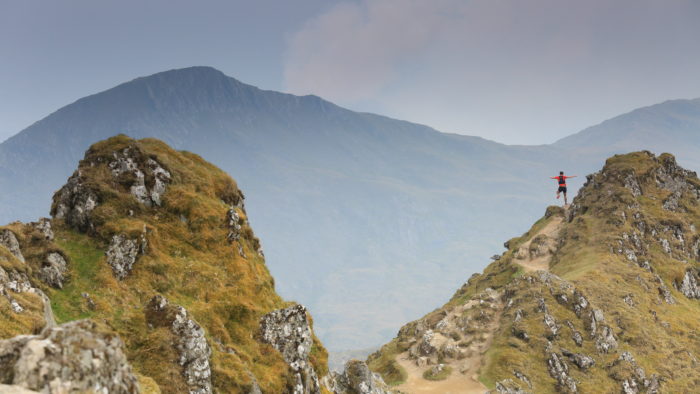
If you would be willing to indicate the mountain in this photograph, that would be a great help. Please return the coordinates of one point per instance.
(353, 206)
(366, 220)
(671, 126)
(157, 282)
(600, 297)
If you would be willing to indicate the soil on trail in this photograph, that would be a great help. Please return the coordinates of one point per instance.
(536, 253)
(464, 376)
(455, 383)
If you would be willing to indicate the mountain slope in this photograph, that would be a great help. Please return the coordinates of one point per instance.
(155, 245)
(600, 298)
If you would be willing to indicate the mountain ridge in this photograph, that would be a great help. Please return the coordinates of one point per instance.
(329, 188)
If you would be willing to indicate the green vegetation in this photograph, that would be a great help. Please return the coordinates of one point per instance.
(188, 259)
(441, 374)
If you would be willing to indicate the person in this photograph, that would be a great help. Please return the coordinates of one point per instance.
(561, 180)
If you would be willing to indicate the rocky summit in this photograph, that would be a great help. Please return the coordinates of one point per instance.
(148, 278)
(598, 297)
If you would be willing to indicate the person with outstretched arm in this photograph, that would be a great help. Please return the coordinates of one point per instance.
(561, 180)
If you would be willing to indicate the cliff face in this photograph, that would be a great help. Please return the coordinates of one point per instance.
(601, 297)
(155, 246)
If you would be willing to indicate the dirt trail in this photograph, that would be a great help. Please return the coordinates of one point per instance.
(538, 257)
(464, 376)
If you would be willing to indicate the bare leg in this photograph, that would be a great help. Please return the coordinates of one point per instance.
(565, 202)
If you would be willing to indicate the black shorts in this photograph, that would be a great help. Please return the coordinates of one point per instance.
(562, 189)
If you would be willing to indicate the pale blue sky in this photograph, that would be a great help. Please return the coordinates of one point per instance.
(515, 71)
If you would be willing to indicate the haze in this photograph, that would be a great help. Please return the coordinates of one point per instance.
(519, 72)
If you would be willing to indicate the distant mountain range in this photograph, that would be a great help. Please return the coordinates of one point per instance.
(368, 221)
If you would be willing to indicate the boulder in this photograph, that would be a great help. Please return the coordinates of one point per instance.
(73, 357)
(74, 203)
(358, 379)
(289, 332)
(53, 270)
(9, 240)
(122, 254)
(190, 342)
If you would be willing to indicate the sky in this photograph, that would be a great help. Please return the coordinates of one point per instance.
(513, 71)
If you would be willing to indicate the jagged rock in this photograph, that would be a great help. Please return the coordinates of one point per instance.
(689, 285)
(190, 342)
(633, 380)
(575, 334)
(552, 329)
(9, 240)
(288, 331)
(73, 357)
(127, 161)
(74, 202)
(44, 227)
(582, 361)
(606, 342)
(358, 379)
(560, 372)
(234, 226)
(122, 254)
(425, 346)
(53, 270)
(508, 386)
(523, 378)
(12, 281)
(580, 303)
(632, 185)
(664, 291)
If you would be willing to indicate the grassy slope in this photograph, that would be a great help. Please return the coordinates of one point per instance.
(189, 261)
(662, 337)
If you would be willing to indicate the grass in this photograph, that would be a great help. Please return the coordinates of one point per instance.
(662, 337)
(189, 261)
(443, 374)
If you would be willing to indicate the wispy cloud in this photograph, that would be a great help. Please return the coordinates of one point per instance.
(499, 68)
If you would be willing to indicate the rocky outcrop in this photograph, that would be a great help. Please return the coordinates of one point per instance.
(9, 240)
(508, 386)
(357, 379)
(43, 226)
(74, 202)
(632, 377)
(129, 162)
(122, 253)
(73, 357)
(189, 341)
(689, 285)
(560, 372)
(582, 361)
(12, 281)
(288, 331)
(54, 270)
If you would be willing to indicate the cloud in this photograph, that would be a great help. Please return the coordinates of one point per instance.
(512, 70)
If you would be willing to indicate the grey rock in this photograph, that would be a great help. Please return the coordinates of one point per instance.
(122, 253)
(7, 389)
(53, 270)
(74, 202)
(552, 329)
(43, 225)
(558, 370)
(73, 357)
(664, 291)
(689, 285)
(606, 342)
(9, 240)
(288, 331)
(632, 185)
(358, 379)
(233, 221)
(582, 361)
(128, 161)
(508, 386)
(190, 343)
